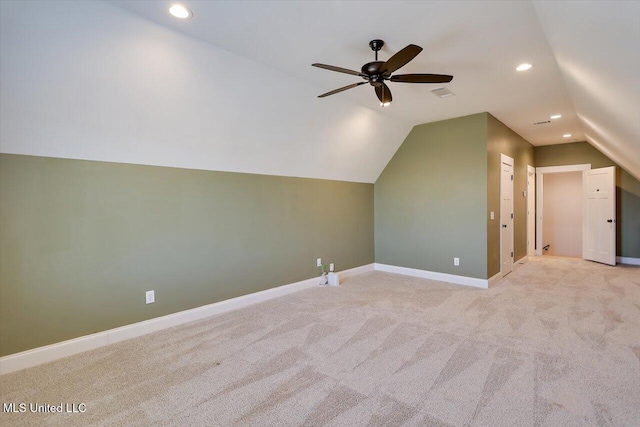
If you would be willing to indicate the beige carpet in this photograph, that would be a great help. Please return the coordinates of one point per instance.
(556, 343)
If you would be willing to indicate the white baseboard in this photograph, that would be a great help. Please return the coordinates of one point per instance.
(516, 265)
(494, 279)
(520, 262)
(49, 353)
(627, 260)
(432, 275)
(355, 271)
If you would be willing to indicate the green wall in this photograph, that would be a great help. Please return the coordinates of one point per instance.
(502, 140)
(627, 194)
(82, 241)
(431, 199)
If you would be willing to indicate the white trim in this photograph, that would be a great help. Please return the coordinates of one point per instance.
(520, 262)
(565, 168)
(433, 275)
(506, 160)
(355, 271)
(516, 265)
(540, 192)
(49, 353)
(627, 260)
(531, 211)
(494, 279)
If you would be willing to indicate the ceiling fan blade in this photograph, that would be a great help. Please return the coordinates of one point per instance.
(384, 94)
(341, 89)
(421, 78)
(338, 69)
(400, 59)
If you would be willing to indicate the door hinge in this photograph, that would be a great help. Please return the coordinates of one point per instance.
(511, 254)
(511, 177)
(512, 215)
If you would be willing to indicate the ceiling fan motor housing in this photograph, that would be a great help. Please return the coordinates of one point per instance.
(372, 68)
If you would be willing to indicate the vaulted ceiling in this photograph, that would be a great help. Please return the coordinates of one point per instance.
(232, 88)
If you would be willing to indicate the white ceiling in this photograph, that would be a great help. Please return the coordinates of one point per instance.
(588, 73)
(585, 55)
(478, 42)
(600, 64)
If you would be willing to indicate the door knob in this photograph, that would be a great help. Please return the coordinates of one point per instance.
(609, 220)
(504, 225)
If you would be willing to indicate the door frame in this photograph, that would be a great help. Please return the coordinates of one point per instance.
(504, 159)
(610, 257)
(540, 191)
(531, 210)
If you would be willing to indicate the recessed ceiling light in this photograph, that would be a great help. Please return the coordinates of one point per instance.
(566, 135)
(555, 116)
(524, 67)
(179, 11)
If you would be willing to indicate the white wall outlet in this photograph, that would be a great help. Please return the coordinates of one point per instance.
(319, 262)
(331, 267)
(151, 296)
(456, 262)
(492, 215)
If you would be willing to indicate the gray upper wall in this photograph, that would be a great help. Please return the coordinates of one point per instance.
(82, 241)
(96, 82)
(627, 194)
(431, 199)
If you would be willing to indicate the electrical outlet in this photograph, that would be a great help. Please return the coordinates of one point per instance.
(331, 267)
(492, 215)
(319, 262)
(150, 296)
(456, 262)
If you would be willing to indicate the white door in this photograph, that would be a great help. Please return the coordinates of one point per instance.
(506, 215)
(599, 215)
(531, 222)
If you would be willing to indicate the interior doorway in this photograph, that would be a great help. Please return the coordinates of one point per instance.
(541, 172)
(506, 214)
(562, 213)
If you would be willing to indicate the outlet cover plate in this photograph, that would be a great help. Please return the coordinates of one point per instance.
(150, 297)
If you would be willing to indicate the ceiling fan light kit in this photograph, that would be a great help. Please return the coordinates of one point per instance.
(376, 72)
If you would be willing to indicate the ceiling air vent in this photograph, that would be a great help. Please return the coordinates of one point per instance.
(442, 92)
(543, 122)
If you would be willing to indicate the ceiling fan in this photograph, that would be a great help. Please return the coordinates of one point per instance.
(376, 72)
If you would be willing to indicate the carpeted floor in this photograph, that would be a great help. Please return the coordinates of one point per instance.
(556, 343)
